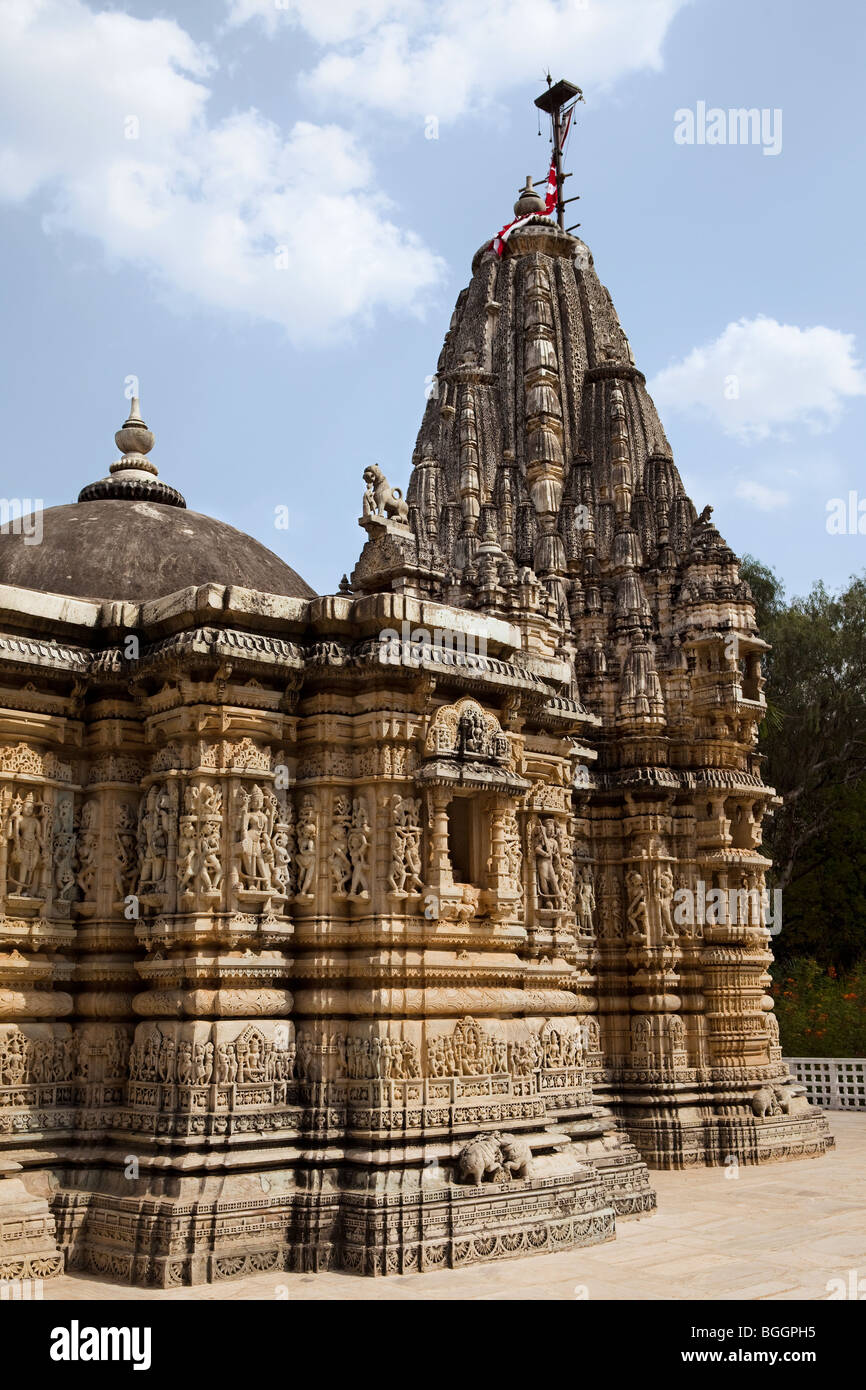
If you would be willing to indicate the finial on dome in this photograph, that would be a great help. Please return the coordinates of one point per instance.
(134, 440)
(132, 477)
(528, 200)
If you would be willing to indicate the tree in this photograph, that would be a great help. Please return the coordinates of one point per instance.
(814, 738)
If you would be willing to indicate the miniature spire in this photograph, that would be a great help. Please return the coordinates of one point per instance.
(134, 440)
(529, 200)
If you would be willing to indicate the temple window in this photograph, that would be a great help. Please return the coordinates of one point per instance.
(461, 840)
(751, 677)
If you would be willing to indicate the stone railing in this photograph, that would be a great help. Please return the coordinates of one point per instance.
(834, 1083)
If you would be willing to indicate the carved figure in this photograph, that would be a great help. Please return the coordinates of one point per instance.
(545, 853)
(665, 899)
(380, 498)
(358, 843)
(766, 1102)
(64, 851)
(516, 1156)
(307, 833)
(636, 908)
(210, 866)
(124, 851)
(87, 857)
(153, 837)
(255, 851)
(186, 856)
(480, 1158)
(513, 850)
(585, 903)
(341, 864)
(25, 833)
(405, 877)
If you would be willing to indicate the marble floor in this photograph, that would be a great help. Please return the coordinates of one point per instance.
(783, 1231)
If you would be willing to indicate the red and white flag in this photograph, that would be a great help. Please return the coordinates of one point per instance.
(550, 201)
(550, 193)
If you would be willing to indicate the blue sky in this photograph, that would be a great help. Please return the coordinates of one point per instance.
(237, 203)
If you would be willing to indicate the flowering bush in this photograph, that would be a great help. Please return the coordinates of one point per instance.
(820, 1009)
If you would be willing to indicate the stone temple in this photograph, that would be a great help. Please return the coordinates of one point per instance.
(406, 926)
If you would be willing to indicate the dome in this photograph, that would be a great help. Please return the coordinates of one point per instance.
(130, 537)
(138, 550)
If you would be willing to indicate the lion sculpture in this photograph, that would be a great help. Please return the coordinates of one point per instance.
(380, 498)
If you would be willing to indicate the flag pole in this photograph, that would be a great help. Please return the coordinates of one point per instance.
(557, 96)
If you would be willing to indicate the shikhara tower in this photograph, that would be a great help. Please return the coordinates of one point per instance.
(360, 923)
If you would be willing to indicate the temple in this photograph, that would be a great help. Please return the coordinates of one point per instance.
(411, 925)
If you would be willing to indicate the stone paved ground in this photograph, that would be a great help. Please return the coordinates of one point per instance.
(782, 1231)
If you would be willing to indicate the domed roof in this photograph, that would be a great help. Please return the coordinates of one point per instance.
(130, 536)
(138, 550)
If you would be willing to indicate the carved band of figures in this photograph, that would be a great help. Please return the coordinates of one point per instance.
(472, 1050)
(32, 1060)
(251, 1057)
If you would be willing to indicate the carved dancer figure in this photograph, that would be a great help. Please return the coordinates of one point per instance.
(636, 909)
(545, 869)
(26, 843)
(307, 832)
(666, 898)
(358, 843)
(341, 865)
(405, 877)
(186, 856)
(153, 837)
(254, 848)
(124, 852)
(586, 903)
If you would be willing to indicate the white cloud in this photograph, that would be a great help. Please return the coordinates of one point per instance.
(447, 57)
(232, 212)
(326, 21)
(766, 499)
(760, 378)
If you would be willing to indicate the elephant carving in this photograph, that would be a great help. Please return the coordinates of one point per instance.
(516, 1156)
(765, 1102)
(480, 1157)
(494, 1155)
(777, 1100)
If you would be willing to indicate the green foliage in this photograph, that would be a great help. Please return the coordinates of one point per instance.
(767, 589)
(820, 1010)
(814, 739)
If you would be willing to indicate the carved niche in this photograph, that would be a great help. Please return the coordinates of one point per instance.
(466, 732)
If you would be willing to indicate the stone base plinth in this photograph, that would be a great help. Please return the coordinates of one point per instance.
(690, 1140)
(449, 1227)
(193, 1229)
(28, 1246)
